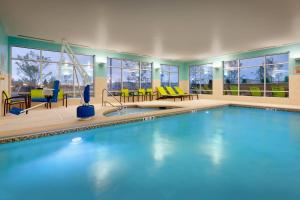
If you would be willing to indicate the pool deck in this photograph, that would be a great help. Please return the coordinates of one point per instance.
(43, 122)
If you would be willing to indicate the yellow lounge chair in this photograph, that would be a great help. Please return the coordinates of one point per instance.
(124, 94)
(181, 92)
(162, 94)
(150, 93)
(172, 92)
(142, 93)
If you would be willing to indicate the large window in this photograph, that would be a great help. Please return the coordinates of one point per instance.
(260, 76)
(201, 79)
(33, 68)
(122, 73)
(169, 75)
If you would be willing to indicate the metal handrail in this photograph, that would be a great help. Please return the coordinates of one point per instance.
(103, 102)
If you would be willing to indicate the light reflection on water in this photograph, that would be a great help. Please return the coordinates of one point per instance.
(162, 147)
(213, 146)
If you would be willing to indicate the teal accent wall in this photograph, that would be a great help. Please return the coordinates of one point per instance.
(3, 49)
(100, 55)
(293, 49)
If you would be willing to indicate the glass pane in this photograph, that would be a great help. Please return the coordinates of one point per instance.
(173, 69)
(146, 66)
(114, 79)
(231, 64)
(252, 75)
(174, 79)
(49, 74)
(252, 81)
(130, 64)
(279, 58)
(230, 76)
(84, 59)
(195, 79)
(259, 61)
(24, 53)
(25, 76)
(146, 79)
(230, 86)
(164, 68)
(206, 81)
(277, 73)
(130, 79)
(277, 80)
(51, 56)
(67, 58)
(65, 76)
(164, 79)
(112, 62)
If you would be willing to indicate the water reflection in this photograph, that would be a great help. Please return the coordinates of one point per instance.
(214, 147)
(162, 147)
(104, 168)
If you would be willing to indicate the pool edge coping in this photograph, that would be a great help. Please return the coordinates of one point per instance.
(136, 118)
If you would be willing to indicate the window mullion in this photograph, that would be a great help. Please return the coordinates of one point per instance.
(121, 74)
(140, 78)
(265, 77)
(238, 77)
(41, 67)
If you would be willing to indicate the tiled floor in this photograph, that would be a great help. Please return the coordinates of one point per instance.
(41, 120)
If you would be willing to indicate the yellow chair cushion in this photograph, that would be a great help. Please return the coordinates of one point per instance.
(179, 90)
(142, 91)
(170, 90)
(38, 93)
(149, 91)
(162, 91)
(124, 92)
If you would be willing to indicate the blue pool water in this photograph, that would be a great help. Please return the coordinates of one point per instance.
(227, 153)
(130, 111)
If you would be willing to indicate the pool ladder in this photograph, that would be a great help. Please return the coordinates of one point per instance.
(104, 102)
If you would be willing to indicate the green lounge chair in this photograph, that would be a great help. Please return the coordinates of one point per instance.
(278, 91)
(233, 90)
(255, 91)
(162, 94)
(181, 92)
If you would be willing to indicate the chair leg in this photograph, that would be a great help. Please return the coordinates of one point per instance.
(4, 108)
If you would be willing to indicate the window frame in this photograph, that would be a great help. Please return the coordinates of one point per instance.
(41, 62)
(201, 66)
(169, 73)
(139, 69)
(264, 65)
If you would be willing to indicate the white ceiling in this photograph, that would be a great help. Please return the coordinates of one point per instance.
(170, 29)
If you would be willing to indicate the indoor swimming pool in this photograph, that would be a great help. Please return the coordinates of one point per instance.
(228, 153)
(134, 110)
